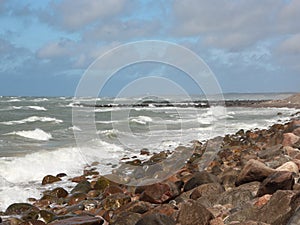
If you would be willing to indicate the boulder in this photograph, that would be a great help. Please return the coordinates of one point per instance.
(135, 207)
(193, 213)
(82, 187)
(156, 219)
(127, 218)
(49, 179)
(20, 209)
(115, 201)
(280, 180)
(271, 152)
(76, 198)
(206, 190)
(200, 178)
(80, 220)
(289, 139)
(254, 170)
(57, 192)
(290, 167)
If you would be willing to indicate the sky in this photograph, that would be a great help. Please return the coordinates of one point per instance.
(250, 45)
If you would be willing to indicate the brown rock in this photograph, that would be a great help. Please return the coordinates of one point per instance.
(112, 189)
(57, 192)
(156, 219)
(289, 139)
(33, 222)
(290, 151)
(262, 200)
(290, 167)
(78, 179)
(135, 207)
(82, 187)
(159, 192)
(271, 152)
(20, 208)
(200, 178)
(297, 131)
(206, 190)
(254, 171)
(280, 180)
(165, 209)
(76, 198)
(115, 201)
(193, 213)
(80, 220)
(49, 179)
(127, 218)
(216, 221)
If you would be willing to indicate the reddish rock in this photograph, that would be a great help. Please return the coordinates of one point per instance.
(20, 208)
(165, 209)
(206, 190)
(290, 151)
(140, 207)
(49, 179)
(270, 152)
(78, 179)
(127, 218)
(57, 192)
(159, 193)
(280, 180)
(216, 221)
(200, 178)
(254, 171)
(289, 139)
(297, 131)
(193, 213)
(262, 200)
(76, 198)
(156, 219)
(113, 189)
(80, 220)
(115, 201)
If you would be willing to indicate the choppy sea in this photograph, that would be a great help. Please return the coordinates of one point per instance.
(37, 134)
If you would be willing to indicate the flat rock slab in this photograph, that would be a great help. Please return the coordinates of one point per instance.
(80, 220)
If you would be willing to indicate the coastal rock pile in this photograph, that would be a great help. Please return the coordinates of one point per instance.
(252, 180)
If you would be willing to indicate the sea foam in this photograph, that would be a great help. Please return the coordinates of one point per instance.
(36, 134)
(32, 119)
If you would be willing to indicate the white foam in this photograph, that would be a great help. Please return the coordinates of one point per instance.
(32, 119)
(39, 108)
(14, 100)
(36, 134)
(142, 120)
(74, 128)
(40, 100)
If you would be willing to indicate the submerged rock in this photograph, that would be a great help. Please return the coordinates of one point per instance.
(49, 179)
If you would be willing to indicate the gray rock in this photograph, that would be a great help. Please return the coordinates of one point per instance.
(200, 178)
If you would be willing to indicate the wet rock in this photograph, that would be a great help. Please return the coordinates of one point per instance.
(289, 139)
(101, 184)
(93, 193)
(33, 222)
(145, 151)
(46, 216)
(115, 201)
(157, 157)
(60, 175)
(57, 192)
(159, 192)
(254, 171)
(290, 167)
(271, 152)
(165, 209)
(78, 179)
(280, 180)
(20, 208)
(127, 218)
(200, 178)
(297, 131)
(82, 187)
(193, 213)
(112, 189)
(136, 207)
(76, 198)
(206, 190)
(80, 220)
(49, 179)
(277, 211)
(156, 219)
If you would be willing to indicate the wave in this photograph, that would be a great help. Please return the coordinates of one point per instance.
(14, 100)
(39, 108)
(142, 120)
(40, 100)
(32, 119)
(75, 128)
(36, 134)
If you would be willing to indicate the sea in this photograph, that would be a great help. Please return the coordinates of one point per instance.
(51, 135)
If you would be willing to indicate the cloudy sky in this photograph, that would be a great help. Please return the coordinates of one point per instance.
(250, 45)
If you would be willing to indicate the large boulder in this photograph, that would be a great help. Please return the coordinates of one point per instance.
(289, 139)
(200, 178)
(20, 209)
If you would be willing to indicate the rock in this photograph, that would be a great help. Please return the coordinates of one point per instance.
(156, 219)
(33, 222)
(277, 211)
(112, 189)
(236, 197)
(289, 139)
(82, 187)
(57, 192)
(271, 152)
(165, 209)
(206, 190)
(49, 179)
(20, 208)
(145, 151)
(297, 131)
(262, 200)
(228, 178)
(290, 151)
(46, 216)
(289, 166)
(93, 193)
(216, 221)
(280, 180)
(60, 175)
(193, 213)
(101, 184)
(115, 201)
(136, 207)
(200, 178)
(80, 220)
(254, 171)
(78, 179)
(127, 218)
(159, 193)
(76, 198)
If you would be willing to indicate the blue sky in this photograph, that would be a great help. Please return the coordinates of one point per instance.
(251, 46)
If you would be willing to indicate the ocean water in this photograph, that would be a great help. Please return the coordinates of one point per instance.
(39, 136)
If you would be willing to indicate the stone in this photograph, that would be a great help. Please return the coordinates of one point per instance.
(193, 213)
(60, 175)
(20, 208)
(290, 167)
(57, 192)
(271, 152)
(262, 200)
(290, 151)
(78, 179)
(236, 197)
(33, 222)
(206, 190)
(112, 189)
(156, 219)
(159, 193)
(76, 198)
(280, 180)
(278, 210)
(136, 207)
(82, 187)
(115, 201)
(200, 178)
(297, 131)
(101, 184)
(49, 179)
(289, 139)
(165, 209)
(254, 170)
(46, 216)
(145, 151)
(127, 218)
(80, 220)
(216, 221)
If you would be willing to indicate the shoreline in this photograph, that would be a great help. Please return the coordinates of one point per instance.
(233, 186)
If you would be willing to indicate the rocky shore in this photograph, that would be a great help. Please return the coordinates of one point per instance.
(251, 180)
